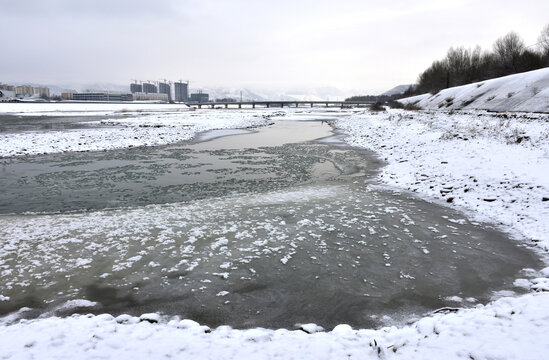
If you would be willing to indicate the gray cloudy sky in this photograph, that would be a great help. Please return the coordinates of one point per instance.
(357, 46)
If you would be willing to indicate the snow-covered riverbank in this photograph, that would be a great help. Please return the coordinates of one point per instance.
(83, 109)
(493, 166)
(152, 129)
(510, 328)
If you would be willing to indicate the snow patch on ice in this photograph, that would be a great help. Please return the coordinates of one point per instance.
(77, 303)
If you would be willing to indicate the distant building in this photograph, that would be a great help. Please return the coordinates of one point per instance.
(181, 91)
(67, 94)
(24, 90)
(149, 88)
(164, 88)
(136, 88)
(102, 96)
(141, 96)
(42, 92)
(27, 91)
(7, 87)
(199, 97)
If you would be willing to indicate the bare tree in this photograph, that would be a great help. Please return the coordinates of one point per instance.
(543, 41)
(464, 66)
(481, 65)
(507, 50)
(458, 61)
(435, 78)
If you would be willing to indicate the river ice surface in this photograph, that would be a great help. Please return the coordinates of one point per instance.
(228, 232)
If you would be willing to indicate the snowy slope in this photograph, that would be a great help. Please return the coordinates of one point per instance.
(520, 92)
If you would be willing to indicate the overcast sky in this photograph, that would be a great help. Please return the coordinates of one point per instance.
(357, 46)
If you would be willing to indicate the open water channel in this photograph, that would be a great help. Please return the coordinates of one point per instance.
(272, 227)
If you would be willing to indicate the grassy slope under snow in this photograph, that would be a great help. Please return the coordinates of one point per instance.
(520, 92)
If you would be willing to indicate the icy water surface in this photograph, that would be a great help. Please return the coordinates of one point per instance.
(230, 232)
(122, 178)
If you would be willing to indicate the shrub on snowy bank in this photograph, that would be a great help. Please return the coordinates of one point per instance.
(398, 105)
(377, 107)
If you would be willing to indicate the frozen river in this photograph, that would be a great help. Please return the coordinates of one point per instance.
(265, 228)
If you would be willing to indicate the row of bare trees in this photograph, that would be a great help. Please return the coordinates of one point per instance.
(461, 66)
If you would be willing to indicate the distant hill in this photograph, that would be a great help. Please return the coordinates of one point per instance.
(313, 94)
(527, 91)
(397, 90)
(224, 93)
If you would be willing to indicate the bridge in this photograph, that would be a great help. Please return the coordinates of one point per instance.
(280, 103)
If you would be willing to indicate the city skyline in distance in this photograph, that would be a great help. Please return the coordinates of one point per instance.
(215, 92)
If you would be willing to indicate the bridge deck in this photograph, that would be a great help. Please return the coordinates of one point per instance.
(280, 103)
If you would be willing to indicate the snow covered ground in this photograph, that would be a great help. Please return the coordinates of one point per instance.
(492, 166)
(75, 109)
(150, 129)
(145, 125)
(510, 328)
(527, 91)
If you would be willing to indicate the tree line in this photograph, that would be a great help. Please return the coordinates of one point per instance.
(509, 55)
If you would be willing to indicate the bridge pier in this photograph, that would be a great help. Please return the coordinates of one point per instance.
(226, 106)
(199, 106)
(311, 104)
(212, 106)
(296, 104)
(239, 105)
(268, 105)
(253, 106)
